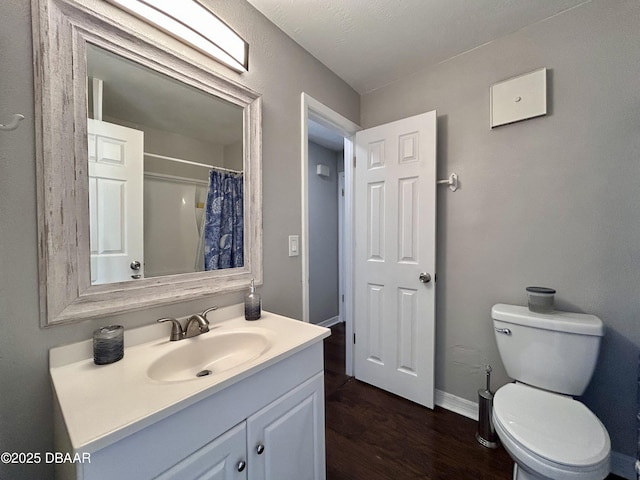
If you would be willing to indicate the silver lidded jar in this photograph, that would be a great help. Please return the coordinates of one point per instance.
(541, 299)
(108, 344)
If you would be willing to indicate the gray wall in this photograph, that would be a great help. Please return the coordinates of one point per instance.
(279, 69)
(550, 201)
(233, 156)
(170, 144)
(323, 235)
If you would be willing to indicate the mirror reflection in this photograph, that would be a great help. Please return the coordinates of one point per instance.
(165, 174)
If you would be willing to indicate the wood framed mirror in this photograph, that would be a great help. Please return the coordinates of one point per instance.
(65, 33)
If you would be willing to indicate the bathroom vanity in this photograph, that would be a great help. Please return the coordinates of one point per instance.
(258, 414)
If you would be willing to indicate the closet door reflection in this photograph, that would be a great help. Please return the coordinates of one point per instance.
(115, 202)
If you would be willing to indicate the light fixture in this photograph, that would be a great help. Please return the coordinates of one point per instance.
(192, 23)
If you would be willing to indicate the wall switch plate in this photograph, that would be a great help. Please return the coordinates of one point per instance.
(519, 98)
(294, 246)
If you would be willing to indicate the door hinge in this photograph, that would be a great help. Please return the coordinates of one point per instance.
(354, 338)
(343, 297)
(354, 161)
(343, 192)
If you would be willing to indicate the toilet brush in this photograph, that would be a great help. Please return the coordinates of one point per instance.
(486, 434)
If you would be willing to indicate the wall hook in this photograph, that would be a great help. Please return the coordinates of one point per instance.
(13, 124)
(452, 181)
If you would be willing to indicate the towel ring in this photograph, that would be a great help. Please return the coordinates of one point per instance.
(17, 118)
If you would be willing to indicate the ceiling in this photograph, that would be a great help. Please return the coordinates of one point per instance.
(141, 96)
(324, 136)
(371, 43)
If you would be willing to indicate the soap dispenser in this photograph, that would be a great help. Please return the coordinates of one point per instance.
(252, 304)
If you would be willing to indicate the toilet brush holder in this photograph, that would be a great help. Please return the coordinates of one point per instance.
(486, 434)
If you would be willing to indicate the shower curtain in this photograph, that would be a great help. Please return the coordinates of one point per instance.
(223, 223)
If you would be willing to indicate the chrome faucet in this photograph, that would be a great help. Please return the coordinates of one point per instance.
(197, 324)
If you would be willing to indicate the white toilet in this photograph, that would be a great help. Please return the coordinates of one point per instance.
(551, 356)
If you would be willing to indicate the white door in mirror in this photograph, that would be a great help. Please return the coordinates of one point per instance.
(115, 202)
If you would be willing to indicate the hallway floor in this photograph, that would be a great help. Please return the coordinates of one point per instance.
(375, 435)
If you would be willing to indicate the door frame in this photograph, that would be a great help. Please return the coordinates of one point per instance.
(318, 112)
(341, 262)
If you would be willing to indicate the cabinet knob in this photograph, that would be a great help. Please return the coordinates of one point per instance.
(260, 449)
(241, 465)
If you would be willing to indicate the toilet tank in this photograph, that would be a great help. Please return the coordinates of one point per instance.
(555, 351)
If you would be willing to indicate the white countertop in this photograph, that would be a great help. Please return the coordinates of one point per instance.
(103, 403)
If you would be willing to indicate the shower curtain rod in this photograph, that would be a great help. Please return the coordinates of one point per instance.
(189, 162)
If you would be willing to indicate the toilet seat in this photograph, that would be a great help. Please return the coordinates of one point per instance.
(554, 435)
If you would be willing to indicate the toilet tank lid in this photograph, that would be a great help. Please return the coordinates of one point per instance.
(568, 322)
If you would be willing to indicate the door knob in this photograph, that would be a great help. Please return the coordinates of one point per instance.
(260, 449)
(135, 265)
(241, 465)
(425, 277)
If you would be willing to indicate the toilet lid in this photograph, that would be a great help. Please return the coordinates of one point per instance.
(552, 426)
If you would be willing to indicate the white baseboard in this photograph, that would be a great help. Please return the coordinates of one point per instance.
(623, 466)
(330, 322)
(461, 406)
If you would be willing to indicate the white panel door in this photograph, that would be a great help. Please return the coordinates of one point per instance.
(115, 202)
(395, 215)
(285, 440)
(222, 459)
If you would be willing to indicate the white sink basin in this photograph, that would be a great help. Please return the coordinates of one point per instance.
(208, 354)
(156, 378)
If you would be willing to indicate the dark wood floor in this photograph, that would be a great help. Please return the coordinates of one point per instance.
(374, 435)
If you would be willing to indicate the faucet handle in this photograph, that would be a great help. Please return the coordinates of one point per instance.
(211, 309)
(176, 328)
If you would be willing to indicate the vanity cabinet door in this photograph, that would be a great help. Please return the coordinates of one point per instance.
(222, 459)
(285, 440)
